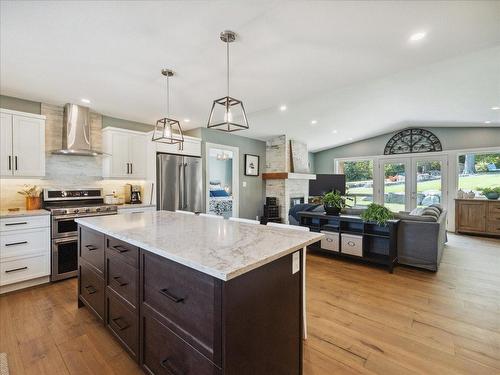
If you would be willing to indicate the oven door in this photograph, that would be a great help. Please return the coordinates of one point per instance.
(64, 258)
(64, 226)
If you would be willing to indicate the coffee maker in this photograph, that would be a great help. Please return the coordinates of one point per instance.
(133, 194)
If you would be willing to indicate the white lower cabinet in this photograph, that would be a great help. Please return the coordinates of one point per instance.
(135, 210)
(24, 251)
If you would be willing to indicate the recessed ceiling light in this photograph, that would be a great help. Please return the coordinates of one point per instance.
(86, 101)
(314, 122)
(417, 36)
(335, 131)
(186, 120)
(495, 108)
(283, 108)
(487, 122)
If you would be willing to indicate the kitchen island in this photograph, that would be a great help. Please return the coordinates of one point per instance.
(186, 294)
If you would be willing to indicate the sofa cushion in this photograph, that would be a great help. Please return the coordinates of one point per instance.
(431, 211)
(438, 206)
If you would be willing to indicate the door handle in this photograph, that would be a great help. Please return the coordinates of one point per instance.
(91, 247)
(119, 248)
(184, 190)
(131, 168)
(16, 243)
(117, 280)
(128, 168)
(167, 366)
(10, 163)
(170, 296)
(120, 327)
(16, 269)
(181, 189)
(20, 223)
(15, 162)
(90, 289)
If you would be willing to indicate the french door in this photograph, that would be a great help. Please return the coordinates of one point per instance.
(408, 182)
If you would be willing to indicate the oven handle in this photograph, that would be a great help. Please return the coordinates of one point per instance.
(70, 217)
(65, 240)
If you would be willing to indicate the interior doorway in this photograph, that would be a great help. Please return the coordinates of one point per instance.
(222, 180)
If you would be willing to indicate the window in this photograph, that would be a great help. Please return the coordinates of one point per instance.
(478, 170)
(359, 181)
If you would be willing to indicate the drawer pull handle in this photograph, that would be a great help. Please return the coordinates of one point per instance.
(350, 243)
(167, 366)
(20, 223)
(16, 243)
(119, 248)
(91, 247)
(120, 327)
(16, 269)
(90, 289)
(171, 297)
(120, 283)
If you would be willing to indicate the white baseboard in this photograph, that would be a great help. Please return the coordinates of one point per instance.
(24, 284)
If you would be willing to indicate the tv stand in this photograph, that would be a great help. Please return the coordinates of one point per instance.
(348, 236)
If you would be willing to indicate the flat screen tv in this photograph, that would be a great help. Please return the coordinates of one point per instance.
(325, 183)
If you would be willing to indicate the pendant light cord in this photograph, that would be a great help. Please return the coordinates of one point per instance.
(227, 60)
(168, 97)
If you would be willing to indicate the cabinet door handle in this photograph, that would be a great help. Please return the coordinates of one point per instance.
(131, 168)
(16, 243)
(350, 243)
(90, 289)
(127, 169)
(167, 366)
(117, 280)
(119, 248)
(10, 163)
(120, 326)
(18, 223)
(16, 269)
(91, 247)
(170, 296)
(15, 162)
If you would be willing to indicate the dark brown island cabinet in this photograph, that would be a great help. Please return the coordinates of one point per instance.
(175, 320)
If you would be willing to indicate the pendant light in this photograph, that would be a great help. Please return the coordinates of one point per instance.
(168, 130)
(227, 114)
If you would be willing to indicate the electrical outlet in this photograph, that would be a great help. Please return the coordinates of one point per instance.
(296, 262)
(244, 184)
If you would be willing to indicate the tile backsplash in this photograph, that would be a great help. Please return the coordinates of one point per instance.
(63, 171)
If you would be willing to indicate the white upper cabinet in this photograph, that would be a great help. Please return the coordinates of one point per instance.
(22, 144)
(124, 154)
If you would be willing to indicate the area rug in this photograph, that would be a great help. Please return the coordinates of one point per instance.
(4, 366)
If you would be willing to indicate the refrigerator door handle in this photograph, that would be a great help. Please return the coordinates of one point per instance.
(184, 177)
(181, 188)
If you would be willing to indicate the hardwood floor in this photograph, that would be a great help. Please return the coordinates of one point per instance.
(361, 320)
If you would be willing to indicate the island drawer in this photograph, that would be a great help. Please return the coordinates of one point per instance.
(122, 278)
(123, 322)
(166, 353)
(92, 248)
(188, 300)
(128, 252)
(91, 289)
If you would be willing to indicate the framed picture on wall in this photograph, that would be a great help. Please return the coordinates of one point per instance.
(251, 165)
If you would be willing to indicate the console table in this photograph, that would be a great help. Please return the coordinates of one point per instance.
(350, 237)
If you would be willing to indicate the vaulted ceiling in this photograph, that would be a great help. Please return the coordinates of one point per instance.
(347, 65)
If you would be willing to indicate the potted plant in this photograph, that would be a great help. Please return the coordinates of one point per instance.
(333, 202)
(32, 195)
(378, 214)
(490, 193)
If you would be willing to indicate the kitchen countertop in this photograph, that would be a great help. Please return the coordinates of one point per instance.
(5, 214)
(221, 248)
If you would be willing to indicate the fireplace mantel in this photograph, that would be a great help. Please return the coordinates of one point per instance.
(288, 176)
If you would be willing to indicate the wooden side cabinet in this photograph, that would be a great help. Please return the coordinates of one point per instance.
(477, 216)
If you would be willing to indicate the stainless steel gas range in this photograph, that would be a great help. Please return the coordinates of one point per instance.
(65, 206)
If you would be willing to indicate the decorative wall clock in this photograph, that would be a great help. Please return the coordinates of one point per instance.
(411, 141)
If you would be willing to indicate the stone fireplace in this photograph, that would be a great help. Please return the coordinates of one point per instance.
(281, 181)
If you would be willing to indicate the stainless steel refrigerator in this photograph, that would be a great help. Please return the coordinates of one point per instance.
(179, 183)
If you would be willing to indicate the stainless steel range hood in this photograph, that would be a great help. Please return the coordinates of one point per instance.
(76, 132)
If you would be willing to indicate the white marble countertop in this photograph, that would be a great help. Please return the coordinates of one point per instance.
(5, 214)
(221, 248)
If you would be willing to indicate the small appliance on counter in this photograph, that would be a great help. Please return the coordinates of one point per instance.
(133, 194)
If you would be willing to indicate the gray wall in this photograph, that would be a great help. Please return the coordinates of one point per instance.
(16, 104)
(251, 196)
(451, 139)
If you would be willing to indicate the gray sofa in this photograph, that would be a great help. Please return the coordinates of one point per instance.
(421, 240)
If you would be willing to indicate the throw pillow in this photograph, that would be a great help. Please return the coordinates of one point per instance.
(438, 206)
(416, 211)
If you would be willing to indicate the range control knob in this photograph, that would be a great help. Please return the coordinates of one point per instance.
(108, 208)
(76, 210)
(87, 210)
(98, 209)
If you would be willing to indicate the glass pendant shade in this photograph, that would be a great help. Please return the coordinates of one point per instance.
(168, 130)
(227, 113)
